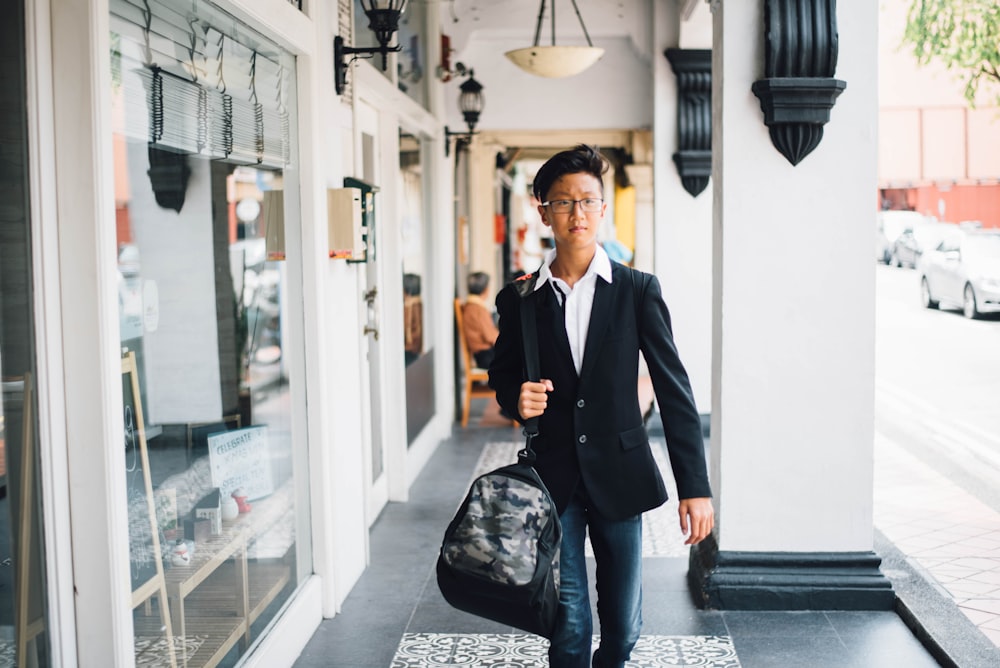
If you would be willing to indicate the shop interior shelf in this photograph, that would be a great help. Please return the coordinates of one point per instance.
(215, 599)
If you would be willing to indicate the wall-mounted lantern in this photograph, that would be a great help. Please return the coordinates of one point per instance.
(383, 20)
(470, 101)
(800, 60)
(693, 158)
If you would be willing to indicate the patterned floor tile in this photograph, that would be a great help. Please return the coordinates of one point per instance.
(516, 650)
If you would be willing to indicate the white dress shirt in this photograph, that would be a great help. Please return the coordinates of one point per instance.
(579, 299)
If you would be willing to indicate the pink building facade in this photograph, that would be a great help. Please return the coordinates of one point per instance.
(937, 155)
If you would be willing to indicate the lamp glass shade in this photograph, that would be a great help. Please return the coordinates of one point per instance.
(555, 61)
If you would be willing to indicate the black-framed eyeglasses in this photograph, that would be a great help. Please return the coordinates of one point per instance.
(589, 205)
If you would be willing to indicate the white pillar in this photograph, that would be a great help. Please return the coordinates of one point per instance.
(483, 248)
(683, 224)
(793, 337)
(85, 203)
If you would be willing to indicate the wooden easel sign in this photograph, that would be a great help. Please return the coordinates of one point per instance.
(145, 560)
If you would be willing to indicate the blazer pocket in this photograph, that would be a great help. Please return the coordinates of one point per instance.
(633, 438)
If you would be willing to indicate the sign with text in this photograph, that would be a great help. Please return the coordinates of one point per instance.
(240, 459)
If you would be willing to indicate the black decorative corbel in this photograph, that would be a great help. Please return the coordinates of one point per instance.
(800, 60)
(693, 68)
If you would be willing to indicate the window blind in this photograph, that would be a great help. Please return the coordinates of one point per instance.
(196, 81)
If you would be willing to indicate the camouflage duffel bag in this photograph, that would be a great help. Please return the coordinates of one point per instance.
(500, 555)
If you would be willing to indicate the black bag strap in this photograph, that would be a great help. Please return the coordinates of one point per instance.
(529, 339)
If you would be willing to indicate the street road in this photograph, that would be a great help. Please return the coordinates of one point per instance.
(937, 384)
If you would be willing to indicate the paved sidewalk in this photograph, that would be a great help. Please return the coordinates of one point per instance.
(949, 536)
(395, 616)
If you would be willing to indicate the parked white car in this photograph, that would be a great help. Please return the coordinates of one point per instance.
(963, 272)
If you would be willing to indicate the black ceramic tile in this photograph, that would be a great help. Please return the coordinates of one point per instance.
(850, 625)
(664, 620)
(778, 624)
(889, 649)
(436, 616)
(363, 644)
(665, 575)
(801, 652)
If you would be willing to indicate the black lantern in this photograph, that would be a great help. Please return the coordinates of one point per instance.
(383, 20)
(470, 101)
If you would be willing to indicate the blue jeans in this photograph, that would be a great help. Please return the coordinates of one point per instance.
(618, 552)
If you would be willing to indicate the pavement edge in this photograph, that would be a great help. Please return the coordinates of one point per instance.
(932, 617)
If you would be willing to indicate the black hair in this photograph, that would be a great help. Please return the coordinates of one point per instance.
(478, 280)
(411, 284)
(580, 159)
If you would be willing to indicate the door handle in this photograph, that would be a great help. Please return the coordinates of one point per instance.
(371, 330)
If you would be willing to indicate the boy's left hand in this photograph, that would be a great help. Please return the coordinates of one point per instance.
(697, 519)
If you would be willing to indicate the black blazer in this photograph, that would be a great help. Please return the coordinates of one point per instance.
(592, 430)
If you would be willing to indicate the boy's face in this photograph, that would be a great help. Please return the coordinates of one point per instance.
(576, 228)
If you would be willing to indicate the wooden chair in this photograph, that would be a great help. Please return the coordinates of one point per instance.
(476, 380)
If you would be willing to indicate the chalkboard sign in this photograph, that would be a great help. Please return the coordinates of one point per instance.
(145, 562)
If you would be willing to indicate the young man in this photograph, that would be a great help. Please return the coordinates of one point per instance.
(480, 332)
(593, 318)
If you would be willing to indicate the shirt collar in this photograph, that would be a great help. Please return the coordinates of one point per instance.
(600, 265)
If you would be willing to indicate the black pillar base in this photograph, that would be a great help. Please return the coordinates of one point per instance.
(787, 580)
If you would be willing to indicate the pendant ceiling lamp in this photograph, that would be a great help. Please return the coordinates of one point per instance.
(555, 61)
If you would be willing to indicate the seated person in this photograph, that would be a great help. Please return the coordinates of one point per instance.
(413, 319)
(480, 330)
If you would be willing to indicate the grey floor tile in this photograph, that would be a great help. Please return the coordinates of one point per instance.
(853, 624)
(438, 617)
(798, 652)
(879, 650)
(754, 624)
(662, 620)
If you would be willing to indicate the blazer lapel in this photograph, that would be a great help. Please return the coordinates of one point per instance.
(600, 315)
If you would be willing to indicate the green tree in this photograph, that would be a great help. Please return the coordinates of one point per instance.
(962, 34)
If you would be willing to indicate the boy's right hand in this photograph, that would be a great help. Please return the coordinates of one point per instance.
(534, 398)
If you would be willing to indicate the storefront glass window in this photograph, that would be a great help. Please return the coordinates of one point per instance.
(411, 68)
(416, 339)
(205, 185)
(23, 627)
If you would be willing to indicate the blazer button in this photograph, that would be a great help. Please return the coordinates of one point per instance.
(583, 438)
(580, 403)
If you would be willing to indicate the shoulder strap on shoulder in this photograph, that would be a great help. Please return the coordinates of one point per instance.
(525, 285)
